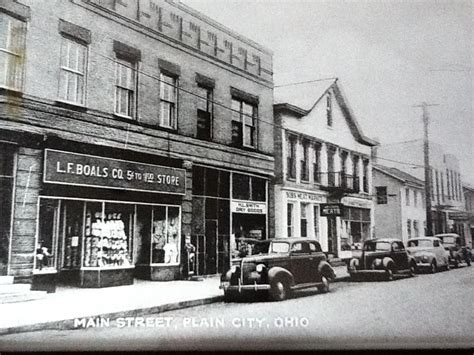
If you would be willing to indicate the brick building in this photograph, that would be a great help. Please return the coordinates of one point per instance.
(125, 127)
(322, 168)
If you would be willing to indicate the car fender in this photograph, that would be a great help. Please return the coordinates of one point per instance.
(388, 263)
(354, 264)
(324, 268)
(411, 259)
(278, 271)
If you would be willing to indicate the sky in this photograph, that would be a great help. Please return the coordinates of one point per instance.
(389, 57)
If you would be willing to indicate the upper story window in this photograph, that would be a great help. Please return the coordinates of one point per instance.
(415, 198)
(381, 192)
(291, 158)
(204, 113)
(448, 184)
(244, 115)
(317, 163)
(73, 71)
(305, 161)
(168, 101)
(329, 109)
(442, 185)
(125, 88)
(12, 48)
(407, 196)
(366, 175)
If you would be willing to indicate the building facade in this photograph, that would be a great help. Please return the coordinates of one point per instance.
(399, 210)
(447, 200)
(323, 174)
(127, 130)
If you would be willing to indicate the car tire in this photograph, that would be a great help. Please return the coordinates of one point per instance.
(433, 267)
(412, 270)
(230, 296)
(389, 274)
(279, 289)
(324, 288)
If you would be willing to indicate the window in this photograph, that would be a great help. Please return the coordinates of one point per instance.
(304, 161)
(355, 172)
(316, 221)
(304, 220)
(329, 109)
(7, 163)
(245, 187)
(381, 192)
(204, 113)
(12, 47)
(290, 220)
(168, 101)
(317, 163)
(409, 228)
(366, 175)
(448, 184)
(72, 72)
(442, 185)
(125, 88)
(407, 196)
(415, 198)
(291, 158)
(416, 229)
(243, 123)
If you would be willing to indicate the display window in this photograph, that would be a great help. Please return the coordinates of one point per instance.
(355, 228)
(91, 234)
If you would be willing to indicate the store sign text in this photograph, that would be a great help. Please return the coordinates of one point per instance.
(304, 196)
(249, 207)
(86, 170)
(331, 209)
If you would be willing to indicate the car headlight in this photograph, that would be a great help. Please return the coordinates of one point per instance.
(260, 268)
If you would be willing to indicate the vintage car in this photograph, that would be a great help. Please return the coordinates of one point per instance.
(290, 264)
(382, 256)
(457, 252)
(250, 246)
(429, 254)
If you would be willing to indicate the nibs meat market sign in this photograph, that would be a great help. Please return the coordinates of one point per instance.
(68, 168)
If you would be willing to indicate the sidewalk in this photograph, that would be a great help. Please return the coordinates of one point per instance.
(58, 310)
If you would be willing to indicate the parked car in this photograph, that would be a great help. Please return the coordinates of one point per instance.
(382, 256)
(429, 254)
(250, 246)
(290, 264)
(457, 252)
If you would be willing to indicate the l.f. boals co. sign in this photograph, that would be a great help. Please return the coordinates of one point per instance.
(69, 168)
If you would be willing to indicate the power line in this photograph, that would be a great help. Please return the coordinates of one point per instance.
(305, 82)
(402, 142)
(413, 165)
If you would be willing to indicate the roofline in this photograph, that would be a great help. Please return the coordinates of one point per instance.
(289, 107)
(469, 188)
(179, 4)
(415, 184)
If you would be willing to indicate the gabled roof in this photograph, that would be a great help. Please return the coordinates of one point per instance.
(302, 98)
(400, 175)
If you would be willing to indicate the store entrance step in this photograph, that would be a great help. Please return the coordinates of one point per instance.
(6, 280)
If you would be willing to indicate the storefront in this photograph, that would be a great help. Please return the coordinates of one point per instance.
(103, 221)
(7, 172)
(227, 206)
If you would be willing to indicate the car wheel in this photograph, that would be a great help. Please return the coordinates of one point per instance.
(433, 267)
(324, 288)
(389, 274)
(456, 263)
(279, 289)
(412, 271)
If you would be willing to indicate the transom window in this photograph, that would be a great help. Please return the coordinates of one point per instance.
(73, 69)
(12, 47)
(125, 85)
(243, 123)
(168, 101)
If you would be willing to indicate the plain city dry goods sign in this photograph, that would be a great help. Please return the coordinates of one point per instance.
(87, 170)
(249, 207)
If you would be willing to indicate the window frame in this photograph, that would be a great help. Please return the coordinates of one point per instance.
(19, 62)
(243, 119)
(381, 197)
(133, 66)
(173, 104)
(209, 110)
(76, 73)
(329, 113)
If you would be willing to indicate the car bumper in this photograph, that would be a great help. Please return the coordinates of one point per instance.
(423, 265)
(240, 288)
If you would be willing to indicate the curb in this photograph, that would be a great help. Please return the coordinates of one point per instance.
(68, 324)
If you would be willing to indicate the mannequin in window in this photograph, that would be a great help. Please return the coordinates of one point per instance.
(171, 251)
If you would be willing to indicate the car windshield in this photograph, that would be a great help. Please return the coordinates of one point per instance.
(279, 247)
(377, 246)
(424, 243)
(448, 240)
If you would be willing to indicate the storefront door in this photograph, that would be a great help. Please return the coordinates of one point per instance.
(6, 194)
(210, 267)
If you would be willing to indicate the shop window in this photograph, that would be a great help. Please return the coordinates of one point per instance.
(290, 222)
(241, 187)
(244, 116)
(212, 182)
(381, 192)
(258, 189)
(12, 51)
(204, 113)
(356, 222)
(199, 179)
(48, 230)
(7, 158)
(125, 87)
(72, 78)
(303, 220)
(165, 235)
(168, 101)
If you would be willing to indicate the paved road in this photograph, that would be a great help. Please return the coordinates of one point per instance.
(426, 311)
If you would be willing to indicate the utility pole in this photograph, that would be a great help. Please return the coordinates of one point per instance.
(426, 153)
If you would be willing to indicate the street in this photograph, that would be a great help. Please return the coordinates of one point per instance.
(426, 311)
